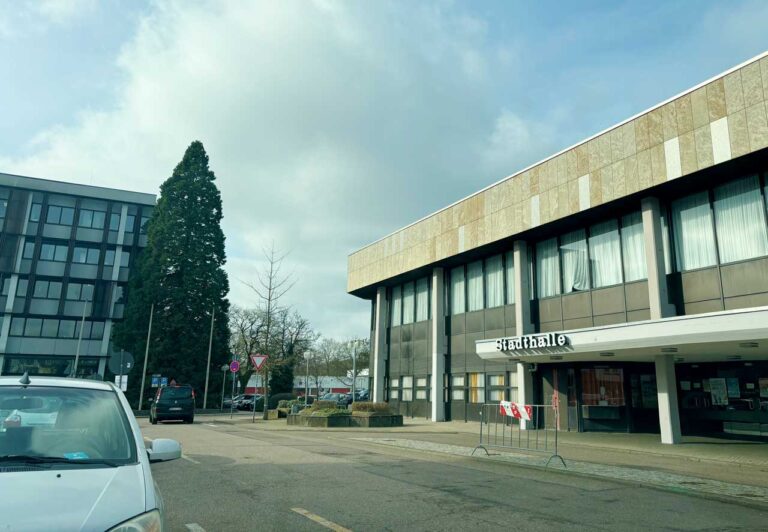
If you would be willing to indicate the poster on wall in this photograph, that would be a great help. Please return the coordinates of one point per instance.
(732, 383)
(763, 383)
(719, 392)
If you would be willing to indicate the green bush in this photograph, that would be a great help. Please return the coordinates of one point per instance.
(329, 412)
(318, 405)
(274, 400)
(284, 404)
(366, 406)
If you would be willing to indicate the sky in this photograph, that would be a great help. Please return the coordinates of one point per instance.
(331, 124)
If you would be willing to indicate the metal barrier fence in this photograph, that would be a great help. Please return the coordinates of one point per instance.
(516, 426)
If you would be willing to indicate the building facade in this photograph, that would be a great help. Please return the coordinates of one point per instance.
(65, 254)
(624, 279)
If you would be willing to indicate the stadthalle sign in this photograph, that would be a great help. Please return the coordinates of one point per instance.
(531, 341)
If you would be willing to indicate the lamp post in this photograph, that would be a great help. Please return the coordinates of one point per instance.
(224, 368)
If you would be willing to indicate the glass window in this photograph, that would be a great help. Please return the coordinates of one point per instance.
(409, 302)
(114, 221)
(692, 231)
(60, 254)
(79, 292)
(422, 299)
(86, 329)
(85, 255)
(421, 382)
(458, 305)
(602, 386)
(633, 247)
(3, 207)
(130, 221)
(54, 214)
(125, 259)
(21, 287)
(740, 220)
(547, 268)
(29, 250)
(421, 394)
(575, 257)
(50, 328)
(144, 222)
(407, 390)
(394, 389)
(6, 286)
(97, 330)
(17, 327)
(495, 396)
(67, 329)
(109, 257)
(477, 388)
(605, 254)
(509, 277)
(494, 281)
(47, 289)
(475, 286)
(91, 219)
(60, 215)
(457, 388)
(34, 212)
(495, 380)
(86, 218)
(397, 304)
(53, 252)
(33, 327)
(665, 243)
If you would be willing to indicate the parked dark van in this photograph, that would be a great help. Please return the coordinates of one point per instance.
(173, 403)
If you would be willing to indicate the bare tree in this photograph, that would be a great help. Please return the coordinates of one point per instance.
(270, 286)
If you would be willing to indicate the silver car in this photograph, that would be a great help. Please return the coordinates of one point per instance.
(72, 458)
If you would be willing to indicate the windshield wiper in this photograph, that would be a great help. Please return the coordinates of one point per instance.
(31, 459)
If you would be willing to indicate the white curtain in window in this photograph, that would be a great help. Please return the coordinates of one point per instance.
(740, 220)
(633, 247)
(509, 276)
(409, 302)
(573, 250)
(422, 299)
(665, 243)
(395, 318)
(605, 253)
(494, 282)
(458, 304)
(475, 286)
(692, 230)
(547, 268)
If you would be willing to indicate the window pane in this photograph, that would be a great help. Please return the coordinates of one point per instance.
(603, 387)
(87, 292)
(66, 329)
(740, 220)
(29, 250)
(17, 327)
(34, 212)
(80, 255)
(421, 382)
(477, 380)
(143, 228)
(509, 274)
(125, 260)
(495, 396)
(692, 230)
(41, 289)
(86, 218)
(395, 317)
(457, 395)
(407, 390)
(97, 330)
(457, 291)
(575, 257)
(494, 281)
(495, 380)
(409, 301)
(605, 254)
(60, 254)
(421, 394)
(93, 256)
(21, 287)
(98, 219)
(457, 380)
(665, 243)
(33, 327)
(477, 395)
(395, 383)
(86, 329)
(475, 286)
(109, 257)
(67, 215)
(47, 252)
(54, 290)
(633, 247)
(50, 328)
(54, 214)
(130, 221)
(547, 268)
(394, 394)
(422, 299)
(73, 291)
(114, 222)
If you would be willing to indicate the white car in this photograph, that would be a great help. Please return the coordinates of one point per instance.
(72, 458)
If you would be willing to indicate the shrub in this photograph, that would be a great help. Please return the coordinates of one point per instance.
(330, 412)
(366, 406)
(274, 400)
(317, 405)
(284, 404)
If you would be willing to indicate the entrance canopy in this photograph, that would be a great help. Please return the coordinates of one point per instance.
(717, 336)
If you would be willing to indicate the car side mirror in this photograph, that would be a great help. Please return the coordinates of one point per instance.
(163, 449)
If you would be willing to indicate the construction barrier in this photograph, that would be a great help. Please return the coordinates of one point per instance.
(509, 425)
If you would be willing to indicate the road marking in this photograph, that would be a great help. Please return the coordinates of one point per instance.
(211, 425)
(188, 459)
(194, 527)
(321, 520)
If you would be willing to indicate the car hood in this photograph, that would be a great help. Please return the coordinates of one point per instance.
(71, 499)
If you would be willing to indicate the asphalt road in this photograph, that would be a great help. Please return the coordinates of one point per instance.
(242, 477)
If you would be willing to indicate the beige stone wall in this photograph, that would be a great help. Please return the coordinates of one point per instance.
(721, 120)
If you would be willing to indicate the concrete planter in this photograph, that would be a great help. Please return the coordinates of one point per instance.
(376, 420)
(273, 414)
(318, 421)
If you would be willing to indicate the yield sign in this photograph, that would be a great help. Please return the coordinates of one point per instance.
(258, 361)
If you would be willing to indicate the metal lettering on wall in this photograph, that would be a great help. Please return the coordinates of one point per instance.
(531, 341)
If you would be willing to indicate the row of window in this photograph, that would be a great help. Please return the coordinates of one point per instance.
(483, 284)
(44, 289)
(410, 302)
(53, 328)
(470, 387)
(87, 218)
(80, 254)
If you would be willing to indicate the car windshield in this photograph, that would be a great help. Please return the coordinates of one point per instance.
(173, 392)
(73, 424)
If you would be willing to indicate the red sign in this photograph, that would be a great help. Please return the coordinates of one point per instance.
(234, 366)
(258, 361)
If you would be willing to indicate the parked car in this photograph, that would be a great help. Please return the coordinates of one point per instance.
(233, 402)
(246, 403)
(173, 403)
(362, 395)
(339, 398)
(83, 433)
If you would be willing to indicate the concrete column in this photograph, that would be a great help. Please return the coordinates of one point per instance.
(379, 344)
(658, 293)
(666, 384)
(439, 345)
(523, 324)
(102, 367)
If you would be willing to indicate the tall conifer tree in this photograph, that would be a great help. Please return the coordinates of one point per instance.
(181, 273)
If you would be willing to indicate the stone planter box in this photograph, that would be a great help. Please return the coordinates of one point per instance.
(318, 421)
(376, 420)
(273, 414)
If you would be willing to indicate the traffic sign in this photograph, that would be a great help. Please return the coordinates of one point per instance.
(155, 380)
(122, 382)
(234, 366)
(258, 361)
(120, 363)
(163, 381)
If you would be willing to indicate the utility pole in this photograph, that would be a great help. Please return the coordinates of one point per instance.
(146, 354)
(208, 365)
(79, 340)
(354, 368)
(306, 384)
(224, 370)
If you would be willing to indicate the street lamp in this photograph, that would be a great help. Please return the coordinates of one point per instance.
(224, 368)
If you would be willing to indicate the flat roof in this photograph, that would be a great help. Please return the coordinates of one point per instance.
(76, 189)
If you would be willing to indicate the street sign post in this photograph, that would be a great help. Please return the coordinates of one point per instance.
(258, 361)
(234, 366)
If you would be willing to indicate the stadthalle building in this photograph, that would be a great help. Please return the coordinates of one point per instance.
(624, 279)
